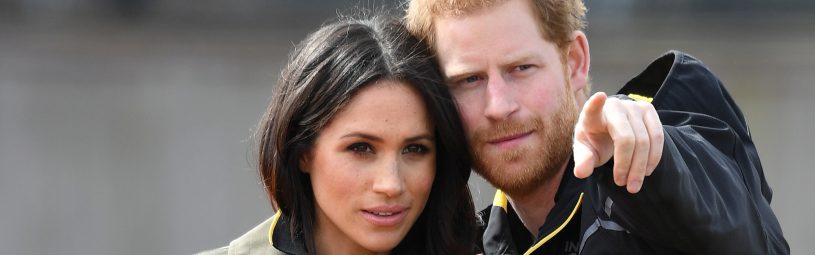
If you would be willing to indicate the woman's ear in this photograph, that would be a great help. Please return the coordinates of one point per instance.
(304, 164)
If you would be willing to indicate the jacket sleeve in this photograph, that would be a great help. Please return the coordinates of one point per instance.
(708, 194)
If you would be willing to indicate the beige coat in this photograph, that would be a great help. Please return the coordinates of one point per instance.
(254, 242)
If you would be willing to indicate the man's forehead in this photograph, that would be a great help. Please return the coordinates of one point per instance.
(495, 26)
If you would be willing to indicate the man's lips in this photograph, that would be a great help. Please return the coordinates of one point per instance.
(508, 140)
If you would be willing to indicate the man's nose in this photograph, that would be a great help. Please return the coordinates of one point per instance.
(500, 99)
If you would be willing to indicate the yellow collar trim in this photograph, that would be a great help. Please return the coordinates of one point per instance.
(558, 229)
(500, 200)
(274, 223)
(640, 98)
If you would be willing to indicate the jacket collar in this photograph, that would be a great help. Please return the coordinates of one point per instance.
(281, 238)
(498, 237)
(256, 241)
(567, 201)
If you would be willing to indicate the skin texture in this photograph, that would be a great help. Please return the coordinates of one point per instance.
(376, 155)
(505, 76)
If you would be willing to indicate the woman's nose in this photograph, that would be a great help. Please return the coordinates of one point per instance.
(388, 179)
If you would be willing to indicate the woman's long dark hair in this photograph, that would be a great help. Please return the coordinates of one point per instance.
(324, 72)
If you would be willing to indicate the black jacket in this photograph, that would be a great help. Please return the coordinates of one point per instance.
(708, 194)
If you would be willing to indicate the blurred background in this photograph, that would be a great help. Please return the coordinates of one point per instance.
(125, 125)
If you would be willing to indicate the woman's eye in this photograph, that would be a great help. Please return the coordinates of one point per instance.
(360, 148)
(415, 149)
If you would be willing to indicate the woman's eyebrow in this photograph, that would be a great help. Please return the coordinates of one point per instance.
(428, 137)
(362, 135)
(379, 139)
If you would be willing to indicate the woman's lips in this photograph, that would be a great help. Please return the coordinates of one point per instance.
(509, 141)
(385, 216)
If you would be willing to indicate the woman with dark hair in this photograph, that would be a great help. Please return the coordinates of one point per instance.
(362, 150)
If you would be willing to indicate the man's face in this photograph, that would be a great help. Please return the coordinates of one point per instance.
(513, 94)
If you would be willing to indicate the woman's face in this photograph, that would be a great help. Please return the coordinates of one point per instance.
(372, 168)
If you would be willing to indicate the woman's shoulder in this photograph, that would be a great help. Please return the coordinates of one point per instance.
(254, 242)
(220, 251)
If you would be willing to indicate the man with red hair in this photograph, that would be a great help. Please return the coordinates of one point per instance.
(666, 167)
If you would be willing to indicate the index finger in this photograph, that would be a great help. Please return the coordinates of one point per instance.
(591, 117)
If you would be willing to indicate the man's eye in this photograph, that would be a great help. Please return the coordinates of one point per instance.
(471, 79)
(467, 82)
(360, 148)
(415, 149)
(523, 67)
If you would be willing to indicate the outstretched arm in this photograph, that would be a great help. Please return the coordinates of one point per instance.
(701, 199)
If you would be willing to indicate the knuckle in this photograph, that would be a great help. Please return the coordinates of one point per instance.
(643, 142)
(613, 102)
(659, 135)
(625, 141)
(640, 169)
(644, 105)
(621, 167)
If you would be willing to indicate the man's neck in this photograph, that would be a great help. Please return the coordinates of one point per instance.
(533, 207)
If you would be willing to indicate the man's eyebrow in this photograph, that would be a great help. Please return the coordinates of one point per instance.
(520, 57)
(460, 69)
(457, 71)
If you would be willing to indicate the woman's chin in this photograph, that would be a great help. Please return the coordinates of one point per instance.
(382, 243)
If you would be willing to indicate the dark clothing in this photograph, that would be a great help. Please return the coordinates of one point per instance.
(708, 195)
(504, 233)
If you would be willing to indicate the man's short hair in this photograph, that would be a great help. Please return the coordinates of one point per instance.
(557, 19)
